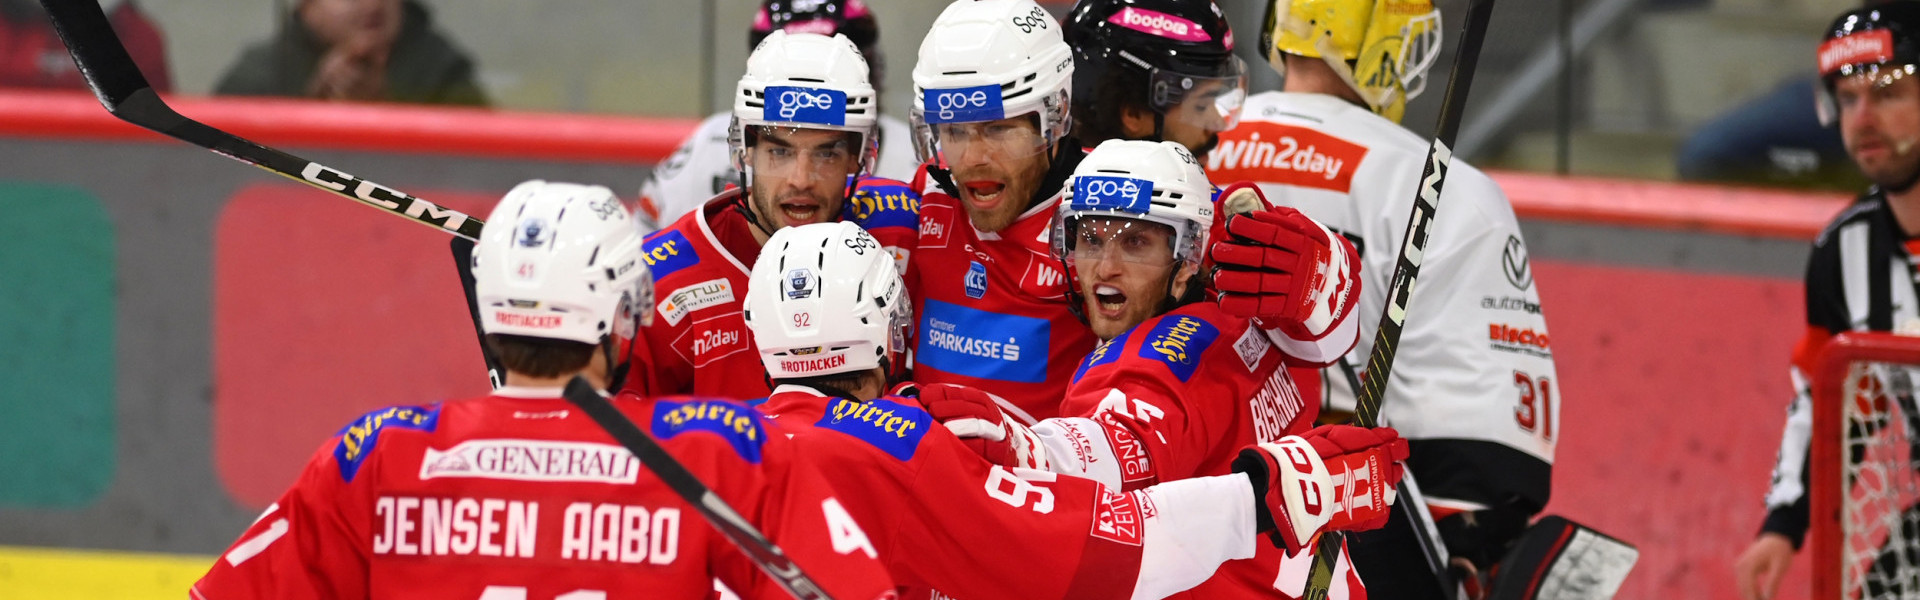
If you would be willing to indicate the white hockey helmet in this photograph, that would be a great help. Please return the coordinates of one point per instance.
(561, 261)
(825, 299)
(1154, 182)
(806, 80)
(986, 60)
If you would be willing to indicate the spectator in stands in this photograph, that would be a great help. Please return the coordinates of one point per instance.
(32, 56)
(363, 50)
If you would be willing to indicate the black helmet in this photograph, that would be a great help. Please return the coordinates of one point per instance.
(1146, 53)
(825, 17)
(1865, 41)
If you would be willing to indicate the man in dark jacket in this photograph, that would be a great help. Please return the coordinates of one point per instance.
(362, 50)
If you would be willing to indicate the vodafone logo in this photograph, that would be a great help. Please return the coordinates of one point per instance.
(1865, 47)
(1161, 24)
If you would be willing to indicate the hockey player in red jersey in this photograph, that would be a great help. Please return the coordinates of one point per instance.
(829, 316)
(992, 84)
(803, 138)
(1178, 386)
(517, 494)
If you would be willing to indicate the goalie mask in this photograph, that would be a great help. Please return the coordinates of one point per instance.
(1381, 48)
(562, 261)
(826, 299)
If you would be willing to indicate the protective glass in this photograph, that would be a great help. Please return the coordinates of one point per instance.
(1105, 236)
(771, 156)
(1017, 137)
(1211, 103)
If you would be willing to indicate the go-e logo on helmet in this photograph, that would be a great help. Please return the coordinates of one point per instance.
(805, 105)
(953, 105)
(1156, 23)
(1102, 192)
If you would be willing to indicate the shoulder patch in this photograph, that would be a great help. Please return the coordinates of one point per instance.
(1252, 347)
(667, 251)
(1179, 341)
(893, 428)
(737, 424)
(1104, 353)
(357, 439)
(880, 202)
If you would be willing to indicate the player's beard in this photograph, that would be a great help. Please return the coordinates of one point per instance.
(1898, 170)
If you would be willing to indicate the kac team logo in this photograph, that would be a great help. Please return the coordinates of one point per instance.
(805, 105)
(976, 280)
(978, 103)
(1099, 192)
(799, 283)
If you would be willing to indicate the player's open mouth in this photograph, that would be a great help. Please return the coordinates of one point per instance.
(800, 212)
(1109, 299)
(984, 194)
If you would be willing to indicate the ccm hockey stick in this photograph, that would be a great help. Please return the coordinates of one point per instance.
(729, 523)
(1414, 242)
(125, 93)
(104, 62)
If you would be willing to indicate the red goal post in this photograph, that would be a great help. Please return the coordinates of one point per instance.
(1862, 478)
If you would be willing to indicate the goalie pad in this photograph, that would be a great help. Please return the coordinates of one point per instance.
(1558, 559)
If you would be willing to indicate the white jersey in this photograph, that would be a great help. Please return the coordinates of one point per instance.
(703, 167)
(1474, 363)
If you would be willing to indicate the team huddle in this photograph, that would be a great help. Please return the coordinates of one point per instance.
(1081, 346)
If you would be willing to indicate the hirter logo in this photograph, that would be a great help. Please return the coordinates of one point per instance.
(1867, 47)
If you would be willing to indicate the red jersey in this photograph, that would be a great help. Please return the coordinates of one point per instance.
(1178, 396)
(943, 518)
(992, 307)
(521, 495)
(698, 343)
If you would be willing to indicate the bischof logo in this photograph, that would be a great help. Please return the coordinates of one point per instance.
(976, 280)
(1513, 262)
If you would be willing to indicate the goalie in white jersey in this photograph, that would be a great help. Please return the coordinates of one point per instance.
(1473, 386)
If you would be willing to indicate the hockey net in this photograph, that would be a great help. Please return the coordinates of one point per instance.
(1864, 478)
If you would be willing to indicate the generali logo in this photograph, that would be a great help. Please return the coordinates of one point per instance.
(1864, 47)
(1285, 154)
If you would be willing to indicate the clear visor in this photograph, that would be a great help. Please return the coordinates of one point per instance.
(1418, 52)
(1100, 235)
(1211, 103)
(1879, 76)
(1010, 138)
(784, 151)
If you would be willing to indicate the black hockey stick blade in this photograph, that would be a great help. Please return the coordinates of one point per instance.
(116, 81)
(1413, 244)
(727, 521)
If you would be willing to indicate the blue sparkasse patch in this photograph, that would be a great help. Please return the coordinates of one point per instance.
(736, 423)
(977, 343)
(668, 251)
(880, 203)
(1105, 192)
(1179, 341)
(1102, 354)
(976, 280)
(805, 105)
(893, 428)
(357, 439)
(967, 104)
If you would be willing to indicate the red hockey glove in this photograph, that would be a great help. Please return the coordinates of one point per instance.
(975, 418)
(1335, 477)
(1284, 269)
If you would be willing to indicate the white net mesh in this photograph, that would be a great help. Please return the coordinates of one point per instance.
(1880, 524)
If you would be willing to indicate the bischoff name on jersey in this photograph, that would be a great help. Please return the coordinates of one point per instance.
(948, 342)
(532, 460)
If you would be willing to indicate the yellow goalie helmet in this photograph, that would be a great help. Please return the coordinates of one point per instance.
(1382, 48)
